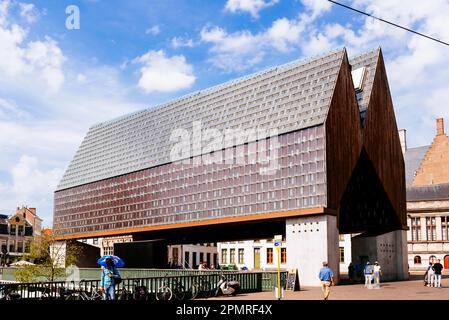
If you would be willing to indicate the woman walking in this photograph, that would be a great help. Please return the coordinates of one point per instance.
(109, 277)
(377, 273)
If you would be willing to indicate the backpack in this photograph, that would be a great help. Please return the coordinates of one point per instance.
(118, 279)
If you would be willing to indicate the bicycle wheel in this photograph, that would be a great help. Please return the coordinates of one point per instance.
(74, 296)
(164, 293)
(179, 291)
(194, 291)
(96, 295)
(206, 289)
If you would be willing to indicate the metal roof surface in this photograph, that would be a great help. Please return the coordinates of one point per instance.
(412, 160)
(425, 193)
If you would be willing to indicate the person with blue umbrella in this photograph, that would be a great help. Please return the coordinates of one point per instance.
(109, 275)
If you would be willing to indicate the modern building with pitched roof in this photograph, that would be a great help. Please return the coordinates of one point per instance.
(309, 150)
(427, 176)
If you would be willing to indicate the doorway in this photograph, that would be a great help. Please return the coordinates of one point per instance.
(446, 262)
(256, 258)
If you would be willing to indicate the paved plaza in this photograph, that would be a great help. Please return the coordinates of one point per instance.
(399, 290)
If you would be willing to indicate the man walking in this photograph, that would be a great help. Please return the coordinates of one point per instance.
(368, 271)
(437, 268)
(327, 280)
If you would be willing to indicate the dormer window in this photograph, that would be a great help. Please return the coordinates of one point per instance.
(358, 76)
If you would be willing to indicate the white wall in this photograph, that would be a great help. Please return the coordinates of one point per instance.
(248, 246)
(198, 248)
(311, 240)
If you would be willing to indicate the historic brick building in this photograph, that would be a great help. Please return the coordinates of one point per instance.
(427, 173)
(16, 233)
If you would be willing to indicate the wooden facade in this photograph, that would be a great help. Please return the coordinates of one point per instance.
(343, 136)
(382, 144)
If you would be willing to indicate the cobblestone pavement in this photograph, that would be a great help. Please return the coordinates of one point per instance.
(399, 290)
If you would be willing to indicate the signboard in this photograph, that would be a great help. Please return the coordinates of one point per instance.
(278, 244)
(292, 280)
(278, 237)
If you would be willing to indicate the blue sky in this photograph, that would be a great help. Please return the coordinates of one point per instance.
(127, 55)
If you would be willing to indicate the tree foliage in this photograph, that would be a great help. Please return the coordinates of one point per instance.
(51, 258)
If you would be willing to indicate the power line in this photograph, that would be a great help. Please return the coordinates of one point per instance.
(391, 23)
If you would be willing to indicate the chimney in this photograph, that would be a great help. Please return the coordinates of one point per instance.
(440, 127)
(403, 139)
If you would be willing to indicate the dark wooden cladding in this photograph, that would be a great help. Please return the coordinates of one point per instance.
(381, 141)
(343, 136)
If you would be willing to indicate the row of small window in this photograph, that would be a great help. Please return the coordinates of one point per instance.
(302, 183)
(241, 256)
(194, 201)
(189, 213)
(288, 167)
(300, 139)
(17, 230)
(430, 229)
(12, 246)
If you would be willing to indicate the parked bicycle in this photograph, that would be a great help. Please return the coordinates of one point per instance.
(82, 293)
(200, 287)
(140, 292)
(164, 292)
(8, 292)
(178, 289)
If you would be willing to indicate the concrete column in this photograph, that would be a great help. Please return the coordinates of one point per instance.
(402, 254)
(310, 241)
(389, 249)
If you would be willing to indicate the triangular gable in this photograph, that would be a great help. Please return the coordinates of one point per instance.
(434, 167)
(381, 138)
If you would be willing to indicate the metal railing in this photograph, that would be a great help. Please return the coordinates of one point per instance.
(249, 282)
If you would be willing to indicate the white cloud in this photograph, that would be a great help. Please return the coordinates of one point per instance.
(29, 185)
(4, 8)
(284, 32)
(251, 6)
(243, 49)
(154, 30)
(28, 12)
(164, 74)
(415, 65)
(317, 7)
(46, 107)
(178, 42)
(233, 52)
(19, 58)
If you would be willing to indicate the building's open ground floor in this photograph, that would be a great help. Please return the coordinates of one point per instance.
(412, 289)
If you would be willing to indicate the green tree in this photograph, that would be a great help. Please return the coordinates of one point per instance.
(50, 258)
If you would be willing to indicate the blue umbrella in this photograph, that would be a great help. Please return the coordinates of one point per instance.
(118, 262)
